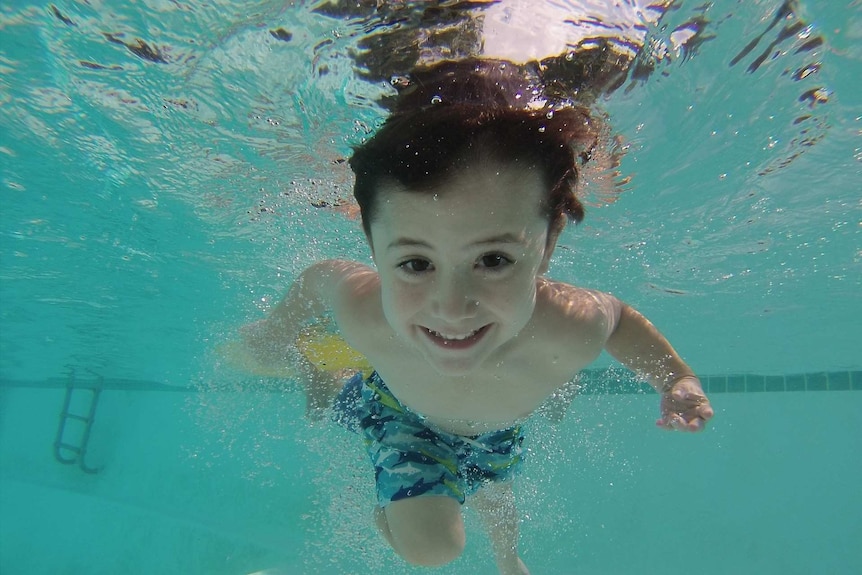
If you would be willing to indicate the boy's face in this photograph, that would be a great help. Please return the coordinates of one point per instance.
(458, 265)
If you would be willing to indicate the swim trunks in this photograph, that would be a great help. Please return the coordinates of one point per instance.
(410, 458)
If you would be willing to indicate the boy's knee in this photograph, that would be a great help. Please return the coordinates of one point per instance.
(435, 550)
(425, 531)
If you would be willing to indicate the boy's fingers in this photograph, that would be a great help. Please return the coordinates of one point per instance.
(677, 422)
(670, 421)
(705, 412)
(664, 422)
(697, 424)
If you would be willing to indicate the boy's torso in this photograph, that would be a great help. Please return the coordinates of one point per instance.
(566, 333)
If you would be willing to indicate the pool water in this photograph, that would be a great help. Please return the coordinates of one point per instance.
(163, 168)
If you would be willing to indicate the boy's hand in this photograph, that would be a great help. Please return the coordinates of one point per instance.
(684, 406)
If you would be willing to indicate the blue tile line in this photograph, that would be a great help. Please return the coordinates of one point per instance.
(591, 381)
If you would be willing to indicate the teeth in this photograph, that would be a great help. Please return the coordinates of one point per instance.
(453, 337)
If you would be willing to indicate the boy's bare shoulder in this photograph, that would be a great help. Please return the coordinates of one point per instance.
(355, 284)
(357, 308)
(356, 277)
(567, 307)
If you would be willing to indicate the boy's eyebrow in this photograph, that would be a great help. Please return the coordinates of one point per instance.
(501, 239)
(407, 243)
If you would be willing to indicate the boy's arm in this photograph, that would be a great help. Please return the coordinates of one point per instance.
(317, 290)
(638, 345)
(271, 343)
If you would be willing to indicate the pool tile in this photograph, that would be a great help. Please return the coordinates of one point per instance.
(774, 383)
(839, 381)
(754, 383)
(735, 384)
(795, 382)
(817, 381)
(716, 384)
(585, 381)
(623, 386)
(639, 388)
(588, 387)
(856, 380)
(598, 386)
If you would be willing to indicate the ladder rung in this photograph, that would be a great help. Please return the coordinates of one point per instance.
(83, 418)
(68, 447)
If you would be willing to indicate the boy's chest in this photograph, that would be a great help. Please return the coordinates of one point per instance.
(497, 397)
(508, 386)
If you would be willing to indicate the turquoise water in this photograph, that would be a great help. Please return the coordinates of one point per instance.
(154, 199)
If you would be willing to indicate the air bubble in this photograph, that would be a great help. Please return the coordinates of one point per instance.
(436, 99)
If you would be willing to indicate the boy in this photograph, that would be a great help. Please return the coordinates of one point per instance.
(463, 194)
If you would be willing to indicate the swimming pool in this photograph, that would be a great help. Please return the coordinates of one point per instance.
(160, 171)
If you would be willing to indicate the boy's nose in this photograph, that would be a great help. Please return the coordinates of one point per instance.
(454, 300)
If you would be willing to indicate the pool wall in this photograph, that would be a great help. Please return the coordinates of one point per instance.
(771, 487)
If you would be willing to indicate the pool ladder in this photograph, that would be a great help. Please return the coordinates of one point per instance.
(68, 452)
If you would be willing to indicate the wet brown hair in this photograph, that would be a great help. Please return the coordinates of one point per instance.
(456, 112)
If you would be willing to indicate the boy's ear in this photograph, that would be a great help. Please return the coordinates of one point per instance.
(554, 231)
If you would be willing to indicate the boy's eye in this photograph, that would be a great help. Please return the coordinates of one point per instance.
(494, 260)
(416, 265)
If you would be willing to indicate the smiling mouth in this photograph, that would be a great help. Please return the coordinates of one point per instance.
(456, 341)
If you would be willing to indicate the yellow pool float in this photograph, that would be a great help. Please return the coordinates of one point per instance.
(326, 350)
(329, 352)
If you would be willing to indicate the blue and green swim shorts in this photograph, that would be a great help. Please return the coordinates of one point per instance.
(410, 459)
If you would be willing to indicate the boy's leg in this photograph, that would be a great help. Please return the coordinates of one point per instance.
(426, 530)
(495, 503)
(321, 388)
